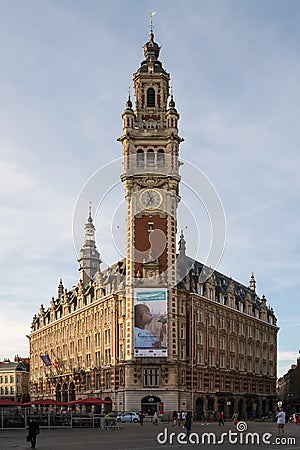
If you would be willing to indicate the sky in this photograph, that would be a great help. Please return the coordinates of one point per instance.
(65, 71)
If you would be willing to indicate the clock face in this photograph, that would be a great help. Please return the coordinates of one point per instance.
(151, 199)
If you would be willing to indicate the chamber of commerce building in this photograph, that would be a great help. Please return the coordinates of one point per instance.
(155, 331)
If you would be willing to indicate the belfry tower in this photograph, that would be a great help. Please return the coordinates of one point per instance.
(151, 179)
(89, 257)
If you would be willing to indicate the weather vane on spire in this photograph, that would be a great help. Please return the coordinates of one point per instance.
(151, 14)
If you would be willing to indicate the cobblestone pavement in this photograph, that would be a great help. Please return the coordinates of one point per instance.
(137, 437)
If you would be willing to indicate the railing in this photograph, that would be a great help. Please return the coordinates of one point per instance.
(18, 417)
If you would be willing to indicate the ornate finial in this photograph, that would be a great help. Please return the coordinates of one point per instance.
(151, 14)
(90, 219)
(129, 102)
(252, 283)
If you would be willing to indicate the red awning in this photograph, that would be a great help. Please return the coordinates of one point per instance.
(5, 402)
(44, 401)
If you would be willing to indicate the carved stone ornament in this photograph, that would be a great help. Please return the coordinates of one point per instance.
(150, 182)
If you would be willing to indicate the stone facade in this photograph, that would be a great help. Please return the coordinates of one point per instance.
(222, 338)
(14, 380)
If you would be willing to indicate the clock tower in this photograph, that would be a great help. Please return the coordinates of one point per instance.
(151, 179)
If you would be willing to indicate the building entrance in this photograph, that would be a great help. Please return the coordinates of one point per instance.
(149, 405)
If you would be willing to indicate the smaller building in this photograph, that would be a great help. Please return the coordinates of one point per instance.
(288, 389)
(14, 379)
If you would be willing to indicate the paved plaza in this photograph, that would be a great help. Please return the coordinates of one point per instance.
(137, 437)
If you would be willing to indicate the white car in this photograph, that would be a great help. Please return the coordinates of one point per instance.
(128, 417)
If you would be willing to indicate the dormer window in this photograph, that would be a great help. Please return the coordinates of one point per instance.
(150, 97)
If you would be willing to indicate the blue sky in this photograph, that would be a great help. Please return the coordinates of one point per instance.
(65, 70)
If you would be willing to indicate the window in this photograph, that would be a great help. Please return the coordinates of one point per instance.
(97, 382)
(98, 359)
(200, 356)
(211, 340)
(232, 345)
(150, 97)
(107, 380)
(107, 356)
(211, 382)
(121, 351)
(199, 337)
(183, 376)
(199, 381)
(140, 157)
(150, 158)
(211, 319)
(150, 226)
(222, 383)
(121, 376)
(222, 323)
(160, 157)
(107, 337)
(97, 339)
(182, 331)
(11, 379)
(222, 343)
(121, 331)
(222, 361)
(211, 359)
(182, 352)
(88, 361)
(151, 377)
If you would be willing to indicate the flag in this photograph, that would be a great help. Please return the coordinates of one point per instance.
(56, 363)
(46, 360)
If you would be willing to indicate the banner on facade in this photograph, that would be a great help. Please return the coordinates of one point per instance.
(150, 322)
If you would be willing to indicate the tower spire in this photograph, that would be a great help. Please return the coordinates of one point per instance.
(182, 244)
(89, 257)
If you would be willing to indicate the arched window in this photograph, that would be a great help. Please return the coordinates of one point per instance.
(150, 97)
(150, 158)
(160, 157)
(140, 157)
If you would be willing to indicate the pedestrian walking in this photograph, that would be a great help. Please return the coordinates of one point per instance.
(221, 418)
(188, 423)
(33, 431)
(280, 421)
(141, 417)
(235, 419)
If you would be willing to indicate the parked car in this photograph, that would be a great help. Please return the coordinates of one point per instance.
(128, 417)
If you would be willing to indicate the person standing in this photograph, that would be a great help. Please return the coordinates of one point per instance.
(33, 431)
(155, 418)
(221, 418)
(174, 418)
(280, 421)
